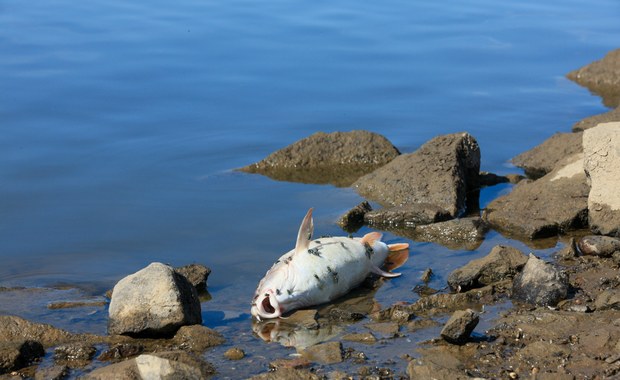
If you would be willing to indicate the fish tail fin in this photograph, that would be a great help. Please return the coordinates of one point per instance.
(305, 233)
(398, 247)
(398, 255)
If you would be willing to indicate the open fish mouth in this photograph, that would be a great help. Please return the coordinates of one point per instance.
(266, 306)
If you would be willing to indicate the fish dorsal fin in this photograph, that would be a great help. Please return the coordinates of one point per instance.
(371, 237)
(305, 233)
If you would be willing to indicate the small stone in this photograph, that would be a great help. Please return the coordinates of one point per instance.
(297, 363)
(324, 353)
(121, 351)
(234, 353)
(603, 246)
(344, 315)
(360, 338)
(460, 326)
(426, 275)
(540, 283)
(74, 351)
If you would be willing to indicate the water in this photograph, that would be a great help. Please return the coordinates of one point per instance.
(122, 123)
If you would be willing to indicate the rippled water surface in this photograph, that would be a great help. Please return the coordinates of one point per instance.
(122, 123)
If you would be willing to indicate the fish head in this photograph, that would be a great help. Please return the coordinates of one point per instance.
(266, 305)
(271, 298)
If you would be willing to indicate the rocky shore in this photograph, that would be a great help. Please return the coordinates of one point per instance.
(559, 319)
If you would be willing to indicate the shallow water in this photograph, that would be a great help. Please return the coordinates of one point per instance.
(123, 122)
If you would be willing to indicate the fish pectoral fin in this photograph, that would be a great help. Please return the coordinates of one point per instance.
(371, 237)
(396, 259)
(380, 272)
(305, 233)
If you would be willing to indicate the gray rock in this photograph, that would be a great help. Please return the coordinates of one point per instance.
(120, 351)
(540, 283)
(16, 355)
(543, 158)
(608, 299)
(324, 353)
(338, 158)
(196, 274)
(593, 121)
(460, 233)
(444, 172)
(353, 219)
(601, 146)
(460, 326)
(501, 263)
(554, 204)
(601, 77)
(603, 246)
(406, 216)
(162, 365)
(152, 302)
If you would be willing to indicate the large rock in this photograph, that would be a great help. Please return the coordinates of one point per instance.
(461, 233)
(443, 172)
(593, 121)
(553, 204)
(501, 263)
(338, 158)
(154, 301)
(601, 146)
(14, 329)
(540, 283)
(543, 158)
(16, 355)
(601, 77)
(460, 326)
(162, 365)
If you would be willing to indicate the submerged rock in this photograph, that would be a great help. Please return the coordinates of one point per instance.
(603, 246)
(338, 158)
(460, 233)
(19, 354)
(501, 263)
(543, 158)
(443, 172)
(15, 329)
(554, 204)
(406, 216)
(460, 326)
(601, 77)
(74, 352)
(601, 146)
(154, 301)
(540, 283)
(593, 121)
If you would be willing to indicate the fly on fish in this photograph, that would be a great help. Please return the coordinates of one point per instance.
(321, 270)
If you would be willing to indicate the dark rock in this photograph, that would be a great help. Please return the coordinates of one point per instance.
(400, 314)
(426, 275)
(442, 303)
(56, 372)
(424, 290)
(360, 338)
(608, 299)
(503, 262)
(593, 121)
(196, 274)
(15, 329)
(601, 77)
(443, 172)
(297, 363)
(460, 326)
(461, 233)
(353, 219)
(601, 146)
(19, 354)
(491, 179)
(603, 246)
(153, 302)
(338, 158)
(74, 351)
(543, 158)
(406, 216)
(162, 365)
(234, 353)
(120, 351)
(540, 283)
(344, 315)
(324, 353)
(554, 204)
(197, 338)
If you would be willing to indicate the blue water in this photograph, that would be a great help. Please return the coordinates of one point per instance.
(122, 122)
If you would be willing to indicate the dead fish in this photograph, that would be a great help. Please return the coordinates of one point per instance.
(319, 271)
